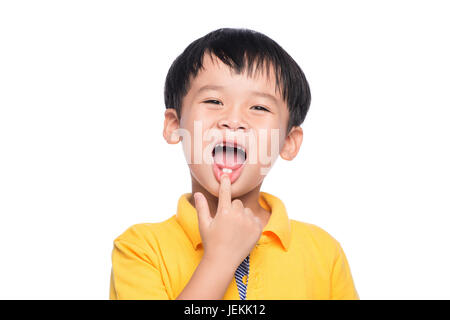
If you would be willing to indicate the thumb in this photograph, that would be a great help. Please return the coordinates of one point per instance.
(201, 204)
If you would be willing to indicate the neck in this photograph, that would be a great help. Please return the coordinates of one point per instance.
(249, 200)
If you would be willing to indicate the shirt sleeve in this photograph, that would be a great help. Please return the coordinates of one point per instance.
(134, 276)
(342, 285)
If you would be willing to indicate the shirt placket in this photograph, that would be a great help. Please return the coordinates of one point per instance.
(241, 276)
(251, 278)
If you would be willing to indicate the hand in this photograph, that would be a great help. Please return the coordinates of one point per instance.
(231, 235)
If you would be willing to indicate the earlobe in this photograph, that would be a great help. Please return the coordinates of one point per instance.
(292, 144)
(171, 124)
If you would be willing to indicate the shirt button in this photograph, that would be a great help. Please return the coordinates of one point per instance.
(244, 279)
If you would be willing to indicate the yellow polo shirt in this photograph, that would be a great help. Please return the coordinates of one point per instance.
(293, 260)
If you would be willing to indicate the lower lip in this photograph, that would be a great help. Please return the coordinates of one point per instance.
(234, 175)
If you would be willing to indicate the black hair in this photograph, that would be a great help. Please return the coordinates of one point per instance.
(239, 48)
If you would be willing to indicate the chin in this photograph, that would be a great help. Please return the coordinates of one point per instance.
(247, 181)
(245, 185)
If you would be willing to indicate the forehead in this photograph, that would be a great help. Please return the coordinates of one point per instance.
(216, 73)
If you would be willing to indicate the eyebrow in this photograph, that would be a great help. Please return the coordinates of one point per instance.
(252, 92)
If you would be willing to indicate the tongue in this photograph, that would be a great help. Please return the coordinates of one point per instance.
(228, 158)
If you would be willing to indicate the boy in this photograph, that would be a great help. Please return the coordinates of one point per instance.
(231, 96)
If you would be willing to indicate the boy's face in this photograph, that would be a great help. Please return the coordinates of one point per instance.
(232, 124)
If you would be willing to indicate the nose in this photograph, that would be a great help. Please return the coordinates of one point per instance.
(232, 123)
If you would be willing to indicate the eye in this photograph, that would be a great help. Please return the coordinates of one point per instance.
(213, 101)
(261, 108)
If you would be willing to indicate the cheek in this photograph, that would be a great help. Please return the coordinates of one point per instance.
(267, 146)
(195, 139)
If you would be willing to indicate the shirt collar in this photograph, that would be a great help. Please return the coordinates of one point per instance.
(278, 225)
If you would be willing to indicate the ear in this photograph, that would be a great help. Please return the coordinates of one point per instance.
(171, 124)
(292, 143)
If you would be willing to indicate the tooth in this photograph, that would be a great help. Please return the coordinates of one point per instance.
(227, 170)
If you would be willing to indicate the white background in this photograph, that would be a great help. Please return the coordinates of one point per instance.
(82, 156)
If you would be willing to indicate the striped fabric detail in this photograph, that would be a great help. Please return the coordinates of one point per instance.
(241, 276)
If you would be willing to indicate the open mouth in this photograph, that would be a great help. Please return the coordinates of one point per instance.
(229, 158)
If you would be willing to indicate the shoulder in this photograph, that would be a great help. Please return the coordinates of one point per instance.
(147, 234)
(314, 237)
(312, 230)
(328, 256)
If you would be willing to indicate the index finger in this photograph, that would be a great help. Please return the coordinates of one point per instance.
(224, 193)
